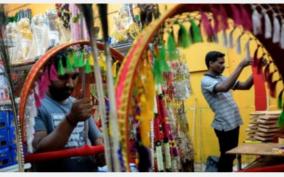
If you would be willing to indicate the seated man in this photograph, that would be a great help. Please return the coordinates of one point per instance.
(60, 124)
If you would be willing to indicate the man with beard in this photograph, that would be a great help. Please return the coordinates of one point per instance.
(60, 124)
(216, 90)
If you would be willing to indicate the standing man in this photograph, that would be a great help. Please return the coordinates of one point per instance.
(60, 124)
(216, 90)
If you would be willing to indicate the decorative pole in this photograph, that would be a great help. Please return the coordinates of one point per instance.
(88, 13)
(115, 136)
(6, 63)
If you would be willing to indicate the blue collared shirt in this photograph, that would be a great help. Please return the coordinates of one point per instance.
(227, 115)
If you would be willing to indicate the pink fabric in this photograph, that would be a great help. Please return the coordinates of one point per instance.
(236, 14)
(207, 25)
(78, 29)
(217, 16)
(224, 17)
(246, 19)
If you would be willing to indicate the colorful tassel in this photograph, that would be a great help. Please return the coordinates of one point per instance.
(184, 40)
(69, 65)
(158, 76)
(77, 58)
(282, 35)
(276, 29)
(225, 38)
(236, 15)
(207, 26)
(91, 60)
(248, 50)
(53, 73)
(267, 25)
(279, 100)
(60, 68)
(81, 62)
(280, 122)
(239, 43)
(224, 24)
(171, 46)
(246, 19)
(216, 17)
(164, 67)
(88, 68)
(221, 24)
(256, 22)
(195, 31)
(231, 44)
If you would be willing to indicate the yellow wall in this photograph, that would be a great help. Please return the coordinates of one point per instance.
(199, 114)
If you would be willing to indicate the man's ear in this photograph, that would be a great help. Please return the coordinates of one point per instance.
(210, 63)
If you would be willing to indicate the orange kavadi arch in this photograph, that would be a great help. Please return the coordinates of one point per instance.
(29, 83)
(128, 70)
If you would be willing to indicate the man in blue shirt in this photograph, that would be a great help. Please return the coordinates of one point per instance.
(216, 90)
(60, 124)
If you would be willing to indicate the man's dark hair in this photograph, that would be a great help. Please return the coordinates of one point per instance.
(212, 56)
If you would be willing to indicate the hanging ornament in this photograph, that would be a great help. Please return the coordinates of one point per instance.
(267, 25)
(224, 25)
(81, 60)
(256, 22)
(236, 15)
(239, 43)
(88, 68)
(171, 46)
(60, 67)
(53, 73)
(282, 35)
(162, 59)
(195, 31)
(246, 19)
(216, 17)
(207, 27)
(158, 76)
(90, 58)
(276, 29)
(184, 40)
(231, 37)
(69, 64)
(248, 50)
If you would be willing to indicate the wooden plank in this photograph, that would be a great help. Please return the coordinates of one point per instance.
(256, 149)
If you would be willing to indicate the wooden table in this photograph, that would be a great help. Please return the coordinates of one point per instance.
(263, 149)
